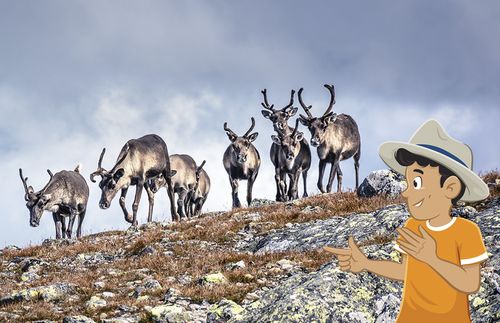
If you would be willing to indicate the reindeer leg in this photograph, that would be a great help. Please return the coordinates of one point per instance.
(296, 178)
(137, 199)
(304, 178)
(339, 178)
(151, 199)
(122, 203)
(180, 202)
(81, 216)
(171, 197)
(322, 165)
(234, 188)
(71, 222)
(57, 223)
(63, 225)
(250, 182)
(277, 179)
(356, 167)
(333, 170)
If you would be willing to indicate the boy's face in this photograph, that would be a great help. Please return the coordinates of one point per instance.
(424, 195)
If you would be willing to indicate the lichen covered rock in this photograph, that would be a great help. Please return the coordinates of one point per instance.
(382, 182)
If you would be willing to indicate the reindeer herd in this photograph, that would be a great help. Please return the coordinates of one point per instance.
(146, 164)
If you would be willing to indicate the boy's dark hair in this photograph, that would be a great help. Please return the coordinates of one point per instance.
(406, 158)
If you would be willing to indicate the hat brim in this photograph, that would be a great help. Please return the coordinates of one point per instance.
(475, 188)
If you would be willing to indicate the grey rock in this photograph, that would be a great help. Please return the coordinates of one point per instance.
(382, 182)
(78, 319)
(46, 293)
(333, 231)
(224, 311)
(261, 202)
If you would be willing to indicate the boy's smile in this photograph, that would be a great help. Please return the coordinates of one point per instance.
(425, 197)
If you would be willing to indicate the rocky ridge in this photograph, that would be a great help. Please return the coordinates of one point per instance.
(150, 274)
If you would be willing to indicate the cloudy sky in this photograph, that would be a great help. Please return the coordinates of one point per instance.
(77, 76)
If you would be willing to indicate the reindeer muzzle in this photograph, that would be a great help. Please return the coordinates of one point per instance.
(104, 205)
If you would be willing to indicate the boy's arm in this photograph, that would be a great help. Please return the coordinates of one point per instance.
(352, 259)
(388, 269)
(466, 279)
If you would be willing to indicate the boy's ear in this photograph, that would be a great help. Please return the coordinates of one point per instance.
(452, 187)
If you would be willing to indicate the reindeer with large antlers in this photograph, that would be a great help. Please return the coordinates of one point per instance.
(139, 161)
(279, 118)
(294, 158)
(336, 138)
(241, 161)
(65, 195)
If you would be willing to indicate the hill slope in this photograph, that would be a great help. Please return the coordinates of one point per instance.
(250, 265)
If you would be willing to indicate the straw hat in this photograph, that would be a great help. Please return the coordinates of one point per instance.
(432, 141)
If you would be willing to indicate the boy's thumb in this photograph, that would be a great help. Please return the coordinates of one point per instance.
(424, 233)
(352, 244)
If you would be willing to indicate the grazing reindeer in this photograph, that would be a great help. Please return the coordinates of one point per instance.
(280, 117)
(139, 160)
(65, 195)
(183, 181)
(294, 158)
(200, 190)
(241, 161)
(336, 138)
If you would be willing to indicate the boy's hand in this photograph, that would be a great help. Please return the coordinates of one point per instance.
(351, 259)
(423, 248)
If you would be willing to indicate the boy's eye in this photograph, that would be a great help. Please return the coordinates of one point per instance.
(417, 183)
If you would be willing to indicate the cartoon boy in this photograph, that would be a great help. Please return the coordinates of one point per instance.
(441, 254)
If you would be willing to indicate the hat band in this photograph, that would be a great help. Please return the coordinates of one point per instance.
(443, 152)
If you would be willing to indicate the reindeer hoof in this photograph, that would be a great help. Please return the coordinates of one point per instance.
(129, 218)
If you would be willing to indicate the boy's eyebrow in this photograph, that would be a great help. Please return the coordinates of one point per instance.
(419, 171)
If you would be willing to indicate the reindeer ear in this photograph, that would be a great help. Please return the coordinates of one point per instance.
(299, 136)
(31, 189)
(292, 111)
(231, 136)
(172, 173)
(304, 120)
(118, 174)
(329, 118)
(276, 140)
(266, 114)
(253, 136)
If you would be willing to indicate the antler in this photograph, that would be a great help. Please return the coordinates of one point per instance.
(265, 104)
(24, 179)
(295, 130)
(226, 129)
(251, 128)
(291, 101)
(100, 171)
(330, 88)
(201, 166)
(305, 107)
(46, 185)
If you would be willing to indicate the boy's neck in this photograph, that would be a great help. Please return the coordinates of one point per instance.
(442, 218)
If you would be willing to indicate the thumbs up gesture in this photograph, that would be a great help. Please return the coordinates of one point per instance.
(350, 259)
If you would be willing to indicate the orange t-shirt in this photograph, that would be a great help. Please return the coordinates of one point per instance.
(428, 297)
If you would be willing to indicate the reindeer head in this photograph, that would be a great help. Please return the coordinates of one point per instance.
(279, 117)
(35, 201)
(290, 143)
(241, 145)
(159, 181)
(111, 181)
(318, 126)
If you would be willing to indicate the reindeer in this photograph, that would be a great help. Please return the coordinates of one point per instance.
(200, 190)
(65, 195)
(183, 181)
(336, 138)
(294, 158)
(241, 161)
(280, 117)
(139, 160)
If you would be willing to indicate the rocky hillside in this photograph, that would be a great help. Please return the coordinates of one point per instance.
(258, 264)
